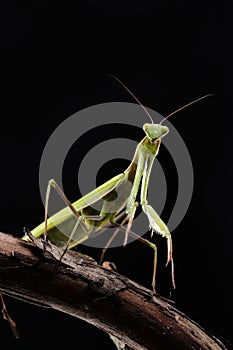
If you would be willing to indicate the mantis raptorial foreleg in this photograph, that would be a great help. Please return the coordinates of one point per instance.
(130, 223)
(155, 222)
(159, 227)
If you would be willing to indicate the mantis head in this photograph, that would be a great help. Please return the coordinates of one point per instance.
(155, 131)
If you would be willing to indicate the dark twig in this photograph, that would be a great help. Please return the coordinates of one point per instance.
(101, 297)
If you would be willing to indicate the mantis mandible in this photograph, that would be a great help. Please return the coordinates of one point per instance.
(116, 201)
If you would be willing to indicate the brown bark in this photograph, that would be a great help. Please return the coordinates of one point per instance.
(103, 298)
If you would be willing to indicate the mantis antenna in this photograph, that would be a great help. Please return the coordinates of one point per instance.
(136, 99)
(146, 111)
(185, 106)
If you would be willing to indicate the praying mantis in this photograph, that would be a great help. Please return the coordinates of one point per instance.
(114, 203)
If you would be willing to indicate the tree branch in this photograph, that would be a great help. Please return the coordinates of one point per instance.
(101, 297)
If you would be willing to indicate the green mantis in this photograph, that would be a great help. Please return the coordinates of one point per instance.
(114, 203)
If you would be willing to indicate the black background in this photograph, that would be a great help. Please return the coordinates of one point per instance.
(56, 60)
